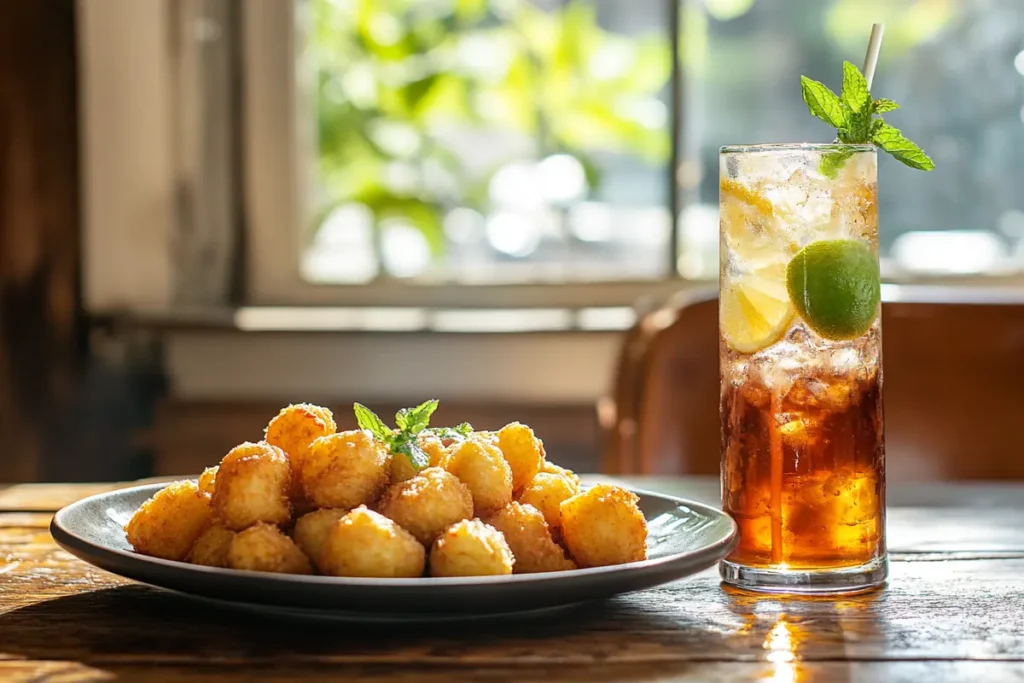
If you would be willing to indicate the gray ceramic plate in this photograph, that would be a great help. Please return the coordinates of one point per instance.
(684, 538)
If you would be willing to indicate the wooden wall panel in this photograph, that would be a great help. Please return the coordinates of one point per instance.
(189, 435)
(40, 349)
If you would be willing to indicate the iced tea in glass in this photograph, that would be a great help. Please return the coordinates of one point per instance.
(803, 457)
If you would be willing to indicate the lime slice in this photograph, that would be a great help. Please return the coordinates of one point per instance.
(755, 309)
(834, 286)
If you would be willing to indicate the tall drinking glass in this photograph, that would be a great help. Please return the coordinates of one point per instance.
(803, 456)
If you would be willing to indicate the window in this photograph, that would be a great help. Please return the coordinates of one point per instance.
(393, 153)
(520, 141)
(955, 66)
(487, 142)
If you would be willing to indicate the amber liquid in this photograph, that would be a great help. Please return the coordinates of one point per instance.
(803, 470)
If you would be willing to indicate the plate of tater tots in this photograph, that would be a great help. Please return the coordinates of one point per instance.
(393, 522)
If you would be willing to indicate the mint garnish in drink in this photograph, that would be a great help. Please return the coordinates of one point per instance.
(857, 119)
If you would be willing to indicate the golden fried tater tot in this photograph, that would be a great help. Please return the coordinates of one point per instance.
(293, 430)
(345, 470)
(253, 485)
(208, 480)
(427, 504)
(483, 470)
(546, 493)
(366, 543)
(311, 531)
(522, 451)
(297, 426)
(168, 524)
(604, 526)
(432, 446)
(470, 548)
(571, 477)
(264, 548)
(529, 538)
(485, 436)
(211, 548)
(401, 468)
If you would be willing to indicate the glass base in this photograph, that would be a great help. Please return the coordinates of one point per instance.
(807, 582)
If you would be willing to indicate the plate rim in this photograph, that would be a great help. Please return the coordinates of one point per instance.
(72, 542)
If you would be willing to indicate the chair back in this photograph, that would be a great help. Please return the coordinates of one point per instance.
(953, 369)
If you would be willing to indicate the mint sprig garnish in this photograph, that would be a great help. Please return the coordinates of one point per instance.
(402, 440)
(368, 420)
(857, 119)
(416, 419)
(457, 433)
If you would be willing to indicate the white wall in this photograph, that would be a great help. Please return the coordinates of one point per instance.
(544, 368)
(127, 156)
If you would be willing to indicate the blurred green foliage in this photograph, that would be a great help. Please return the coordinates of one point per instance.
(392, 80)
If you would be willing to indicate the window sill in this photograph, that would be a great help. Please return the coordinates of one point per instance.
(545, 356)
(373, 319)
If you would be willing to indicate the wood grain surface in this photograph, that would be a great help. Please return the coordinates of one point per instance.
(953, 611)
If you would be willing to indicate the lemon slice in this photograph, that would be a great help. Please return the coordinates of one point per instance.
(745, 213)
(755, 308)
(744, 194)
(752, 224)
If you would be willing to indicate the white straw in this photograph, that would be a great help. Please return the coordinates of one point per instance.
(874, 45)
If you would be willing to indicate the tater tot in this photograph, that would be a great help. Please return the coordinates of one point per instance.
(211, 548)
(264, 548)
(551, 468)
(168, 524)
(546, 493)
(208, 480)
(345, 470)
(297, 426)
(470, 548)
(486, 436)
(311, 531)
(293, 430)
(483, 470)
(401, 468)
(604, 526)
(253, 485)
(529, 538)
(432, 446)
(427, 504)
(366, 543)
(522, 451)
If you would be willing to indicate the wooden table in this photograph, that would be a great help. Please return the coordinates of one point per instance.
(954, 611)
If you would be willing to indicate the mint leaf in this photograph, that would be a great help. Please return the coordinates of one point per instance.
(415, 420)
(458, 433)
(405, 444)
(859, 130)
(884, 104)
(893, 141)
(823, 103)
(857, 120)
(833, 161)
(410, 422)
(855, 89)
(368, 420)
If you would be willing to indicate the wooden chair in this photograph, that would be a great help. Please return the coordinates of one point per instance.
(953, 386)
